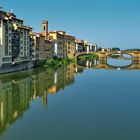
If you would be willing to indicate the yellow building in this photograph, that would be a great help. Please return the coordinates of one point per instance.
(70, 46)
(59, 43)
(64, 45)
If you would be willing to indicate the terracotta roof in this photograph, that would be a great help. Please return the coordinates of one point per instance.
(53, 32)
(60, 31)
(79, 41)
(56, 32)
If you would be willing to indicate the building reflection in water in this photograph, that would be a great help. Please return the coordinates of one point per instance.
(88, 63)
(17, 91)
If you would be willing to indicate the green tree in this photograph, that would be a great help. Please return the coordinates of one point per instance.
(116, 49)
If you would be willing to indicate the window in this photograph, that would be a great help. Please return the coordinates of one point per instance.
(6, 59)
(44, 28)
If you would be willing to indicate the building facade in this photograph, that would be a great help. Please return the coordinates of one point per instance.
(49, 45)
(64, 45)
(79, 45)
(59, 43)
(91, 47)
(42, 47)
(49, 49)
(70, 46)
(14, 40)
(40, 44)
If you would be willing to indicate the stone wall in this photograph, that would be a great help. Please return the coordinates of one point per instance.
(16, 67)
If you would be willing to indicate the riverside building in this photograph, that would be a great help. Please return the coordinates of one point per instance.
(42, 47)
(15, 47)
(64, 45)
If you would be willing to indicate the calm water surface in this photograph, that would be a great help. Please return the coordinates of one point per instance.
(71, 103)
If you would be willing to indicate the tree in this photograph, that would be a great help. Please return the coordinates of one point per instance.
(99, 49)
(116, 49)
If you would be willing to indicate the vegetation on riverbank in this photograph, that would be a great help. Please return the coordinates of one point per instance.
(57, 62)
(135, 49)
(87, 57)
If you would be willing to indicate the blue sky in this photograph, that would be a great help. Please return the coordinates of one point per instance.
(109, 23)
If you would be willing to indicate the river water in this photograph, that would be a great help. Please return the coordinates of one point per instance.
(71, 103)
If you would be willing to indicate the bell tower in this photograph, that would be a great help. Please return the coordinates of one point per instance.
(45, 28)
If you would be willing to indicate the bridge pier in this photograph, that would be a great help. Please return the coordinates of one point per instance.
(102, 60)
(136, 60)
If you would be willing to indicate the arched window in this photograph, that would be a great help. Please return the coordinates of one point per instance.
(44, 28)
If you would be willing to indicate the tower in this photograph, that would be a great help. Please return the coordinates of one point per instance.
(45, 28)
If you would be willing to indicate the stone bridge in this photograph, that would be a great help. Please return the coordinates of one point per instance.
(102, 56)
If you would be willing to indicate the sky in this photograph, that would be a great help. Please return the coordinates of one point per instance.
(108, 23)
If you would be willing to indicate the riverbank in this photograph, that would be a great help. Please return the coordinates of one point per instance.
(8, 68)
(57, 62)
(51, 63)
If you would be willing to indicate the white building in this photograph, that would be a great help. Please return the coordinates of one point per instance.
(91, 47)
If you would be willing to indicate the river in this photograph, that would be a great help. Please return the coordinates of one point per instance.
(71, 103)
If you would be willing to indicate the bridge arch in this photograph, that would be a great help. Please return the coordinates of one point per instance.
(85, 53)
(121, 53)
